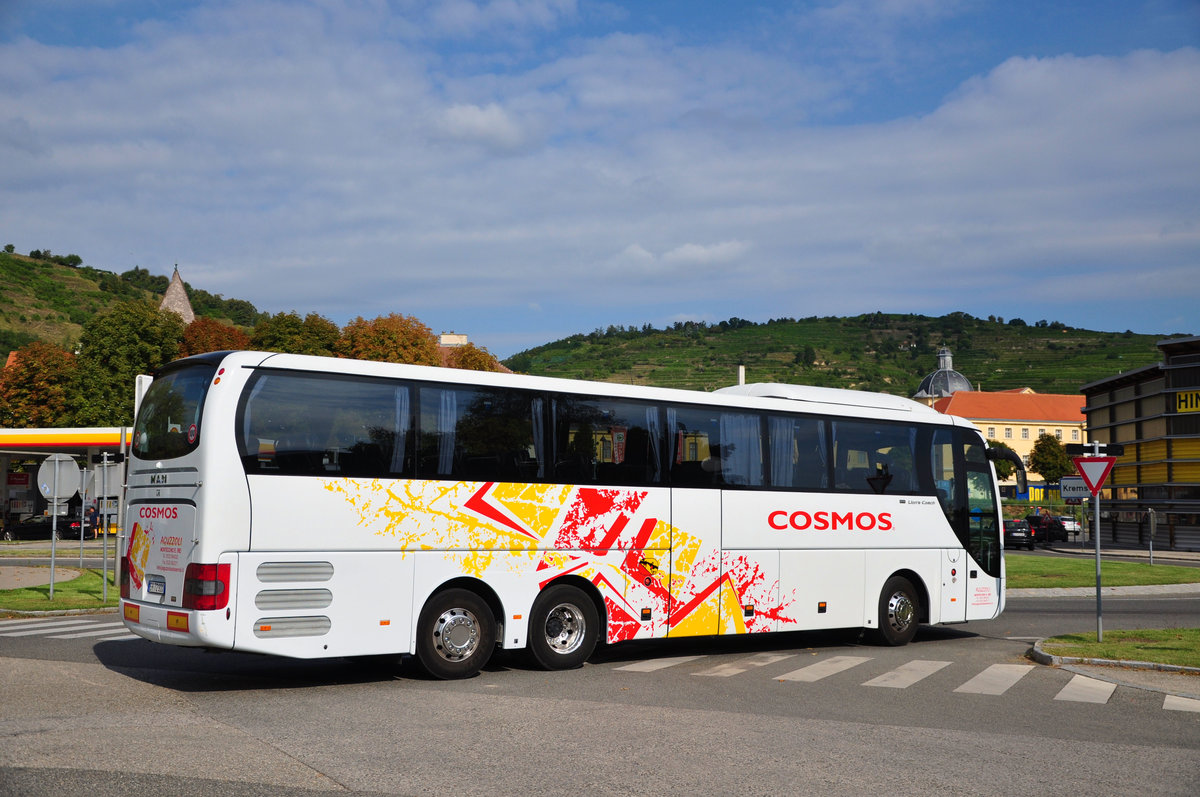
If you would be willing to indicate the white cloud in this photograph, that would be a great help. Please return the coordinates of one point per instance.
(350, 167)
(490, 125)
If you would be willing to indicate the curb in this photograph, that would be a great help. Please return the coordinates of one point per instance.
(58, 612)
(1042, 657)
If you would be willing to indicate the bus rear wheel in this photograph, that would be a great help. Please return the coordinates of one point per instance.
(899, 612)
(563, 628)
(455, 634)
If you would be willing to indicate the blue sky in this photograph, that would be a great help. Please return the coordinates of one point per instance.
(522, 170)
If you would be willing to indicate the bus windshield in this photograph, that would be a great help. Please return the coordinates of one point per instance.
(168, 422)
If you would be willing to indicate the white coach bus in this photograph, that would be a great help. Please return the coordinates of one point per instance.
(313, 507)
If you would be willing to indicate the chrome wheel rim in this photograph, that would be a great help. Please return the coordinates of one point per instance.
(900, 612)
(456, 634)
(565, 628)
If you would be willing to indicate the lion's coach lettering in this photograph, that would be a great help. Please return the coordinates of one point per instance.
(830, 521)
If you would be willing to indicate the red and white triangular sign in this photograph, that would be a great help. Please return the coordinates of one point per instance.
(1094, 471)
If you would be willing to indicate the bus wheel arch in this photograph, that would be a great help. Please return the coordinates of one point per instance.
(457, 630)
(903, 606)
(565, 624)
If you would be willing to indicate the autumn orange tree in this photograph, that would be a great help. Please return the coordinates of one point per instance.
(472, 358)
(391, 338)
(205, 335)
(35, 389)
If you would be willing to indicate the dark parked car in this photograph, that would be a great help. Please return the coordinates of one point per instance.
(1046, 529)
(38, 527)
(1016, 532)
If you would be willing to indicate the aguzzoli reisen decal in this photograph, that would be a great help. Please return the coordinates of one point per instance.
(655, 578)
(824, 520)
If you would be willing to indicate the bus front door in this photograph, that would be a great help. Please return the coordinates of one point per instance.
(955, 578)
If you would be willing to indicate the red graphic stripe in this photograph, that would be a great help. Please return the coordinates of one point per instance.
(479, 506)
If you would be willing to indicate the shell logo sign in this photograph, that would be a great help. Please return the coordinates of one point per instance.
(656, 579)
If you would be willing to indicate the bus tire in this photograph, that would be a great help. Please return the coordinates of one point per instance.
(456, 634)
(899, 612)
(563, 627)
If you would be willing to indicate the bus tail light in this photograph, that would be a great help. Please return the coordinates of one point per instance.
(206, 587)
(124, 576)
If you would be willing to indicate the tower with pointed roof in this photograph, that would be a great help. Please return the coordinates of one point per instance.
(176, 299)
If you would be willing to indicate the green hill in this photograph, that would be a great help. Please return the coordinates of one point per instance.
(50, 298)
(882, 352)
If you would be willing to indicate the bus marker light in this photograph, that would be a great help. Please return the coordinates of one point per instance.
(264, 628)
(821, 607)
(748, 610)
(385, 622)
(646, 614)
(518, 616)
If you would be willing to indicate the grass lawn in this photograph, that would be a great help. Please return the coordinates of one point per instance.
(1179, 646)
(1032, 572)
(84, 592)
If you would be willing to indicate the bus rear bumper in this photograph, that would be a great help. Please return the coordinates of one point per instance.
(175, 626)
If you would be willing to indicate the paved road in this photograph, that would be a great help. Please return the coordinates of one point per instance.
(959, 711)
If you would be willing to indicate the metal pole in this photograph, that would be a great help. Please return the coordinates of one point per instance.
(82, 516)
(104, 533)
(1096, 537)
(53, 529)
(1153, 524)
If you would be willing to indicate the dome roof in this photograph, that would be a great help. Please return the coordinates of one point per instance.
(944, 381)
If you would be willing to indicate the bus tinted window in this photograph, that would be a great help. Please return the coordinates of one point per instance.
(711, 447)
(481, 434)
(606, 441)
(314, 425)
(799, 459)
(871, 457)
(168, 422)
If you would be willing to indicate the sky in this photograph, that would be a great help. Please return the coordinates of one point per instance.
(523, 170)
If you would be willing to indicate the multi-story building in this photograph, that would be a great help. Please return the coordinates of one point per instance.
(1154, 412)
(1018, 418)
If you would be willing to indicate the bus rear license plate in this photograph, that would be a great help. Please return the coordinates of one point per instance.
(156, 586)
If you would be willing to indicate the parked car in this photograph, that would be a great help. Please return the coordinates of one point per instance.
(1046, 528)
(1070, 524)
(39, 527)
(1017, 532)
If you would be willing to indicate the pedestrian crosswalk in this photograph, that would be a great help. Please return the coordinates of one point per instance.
(100, 627)
(993, 680)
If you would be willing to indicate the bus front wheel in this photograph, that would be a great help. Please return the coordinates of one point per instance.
(899, 611)
(455, 634)
(563, 627)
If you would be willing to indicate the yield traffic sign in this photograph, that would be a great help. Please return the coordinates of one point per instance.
(1094, 471)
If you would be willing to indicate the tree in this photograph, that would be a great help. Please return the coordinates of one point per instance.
(205, 334)
(391, 338)
(35, 390)
(287, 332)
(472, 358)
(129, 339)
(1049, 459)
(1004, 468)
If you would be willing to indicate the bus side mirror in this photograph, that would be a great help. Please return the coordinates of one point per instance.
(1008, 455)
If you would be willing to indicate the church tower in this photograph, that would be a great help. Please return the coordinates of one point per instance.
(176, 299)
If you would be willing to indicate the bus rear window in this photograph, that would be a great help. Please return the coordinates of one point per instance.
(168, 422)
